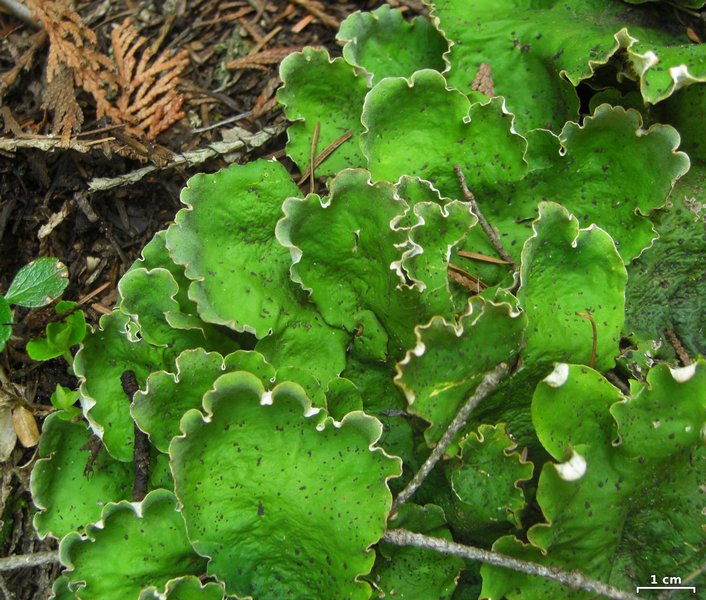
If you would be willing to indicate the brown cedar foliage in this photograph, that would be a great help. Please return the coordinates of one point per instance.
(143, 87)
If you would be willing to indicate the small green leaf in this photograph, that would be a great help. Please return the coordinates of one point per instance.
(137, 545)
(5, 322)
(60, 336)
(293, 490)
(385, 45)
(311, 80)
(64, 399)
(67, 490)
(38, 283)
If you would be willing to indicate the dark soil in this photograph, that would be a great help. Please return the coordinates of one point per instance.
(99, 234)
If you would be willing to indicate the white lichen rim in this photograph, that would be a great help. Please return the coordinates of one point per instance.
(683, 374)
(573, 469)
(559, 376)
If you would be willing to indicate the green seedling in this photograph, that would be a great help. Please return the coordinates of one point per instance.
(484, 330)
(64, 400)
(60, 336)
(36, 284)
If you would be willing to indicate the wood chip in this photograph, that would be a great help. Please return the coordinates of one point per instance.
(301, 25)
(257, 60)
(94, 293)
(99, 308)
(316, 9)
(693, 36)
(464, 278)
(55, 220)
(25, 427)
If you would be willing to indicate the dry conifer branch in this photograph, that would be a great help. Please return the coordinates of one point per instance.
(489, 231)
(73, 60)
(23, 561)
(572, 579)
(490, 381)
(149, 102)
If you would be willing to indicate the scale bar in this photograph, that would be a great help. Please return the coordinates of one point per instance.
(666, 587)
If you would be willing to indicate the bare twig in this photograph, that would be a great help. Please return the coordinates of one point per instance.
(463, 277)
(482, 257)
(23, 561)
(312, 157)
(572, 579)
(315, 9)
(325, 153)
(48, 144)
(227, 121)
(489, 231)
(19, 11)
(678, 348)
(190, 158)
(486, 386)
(617, 382)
